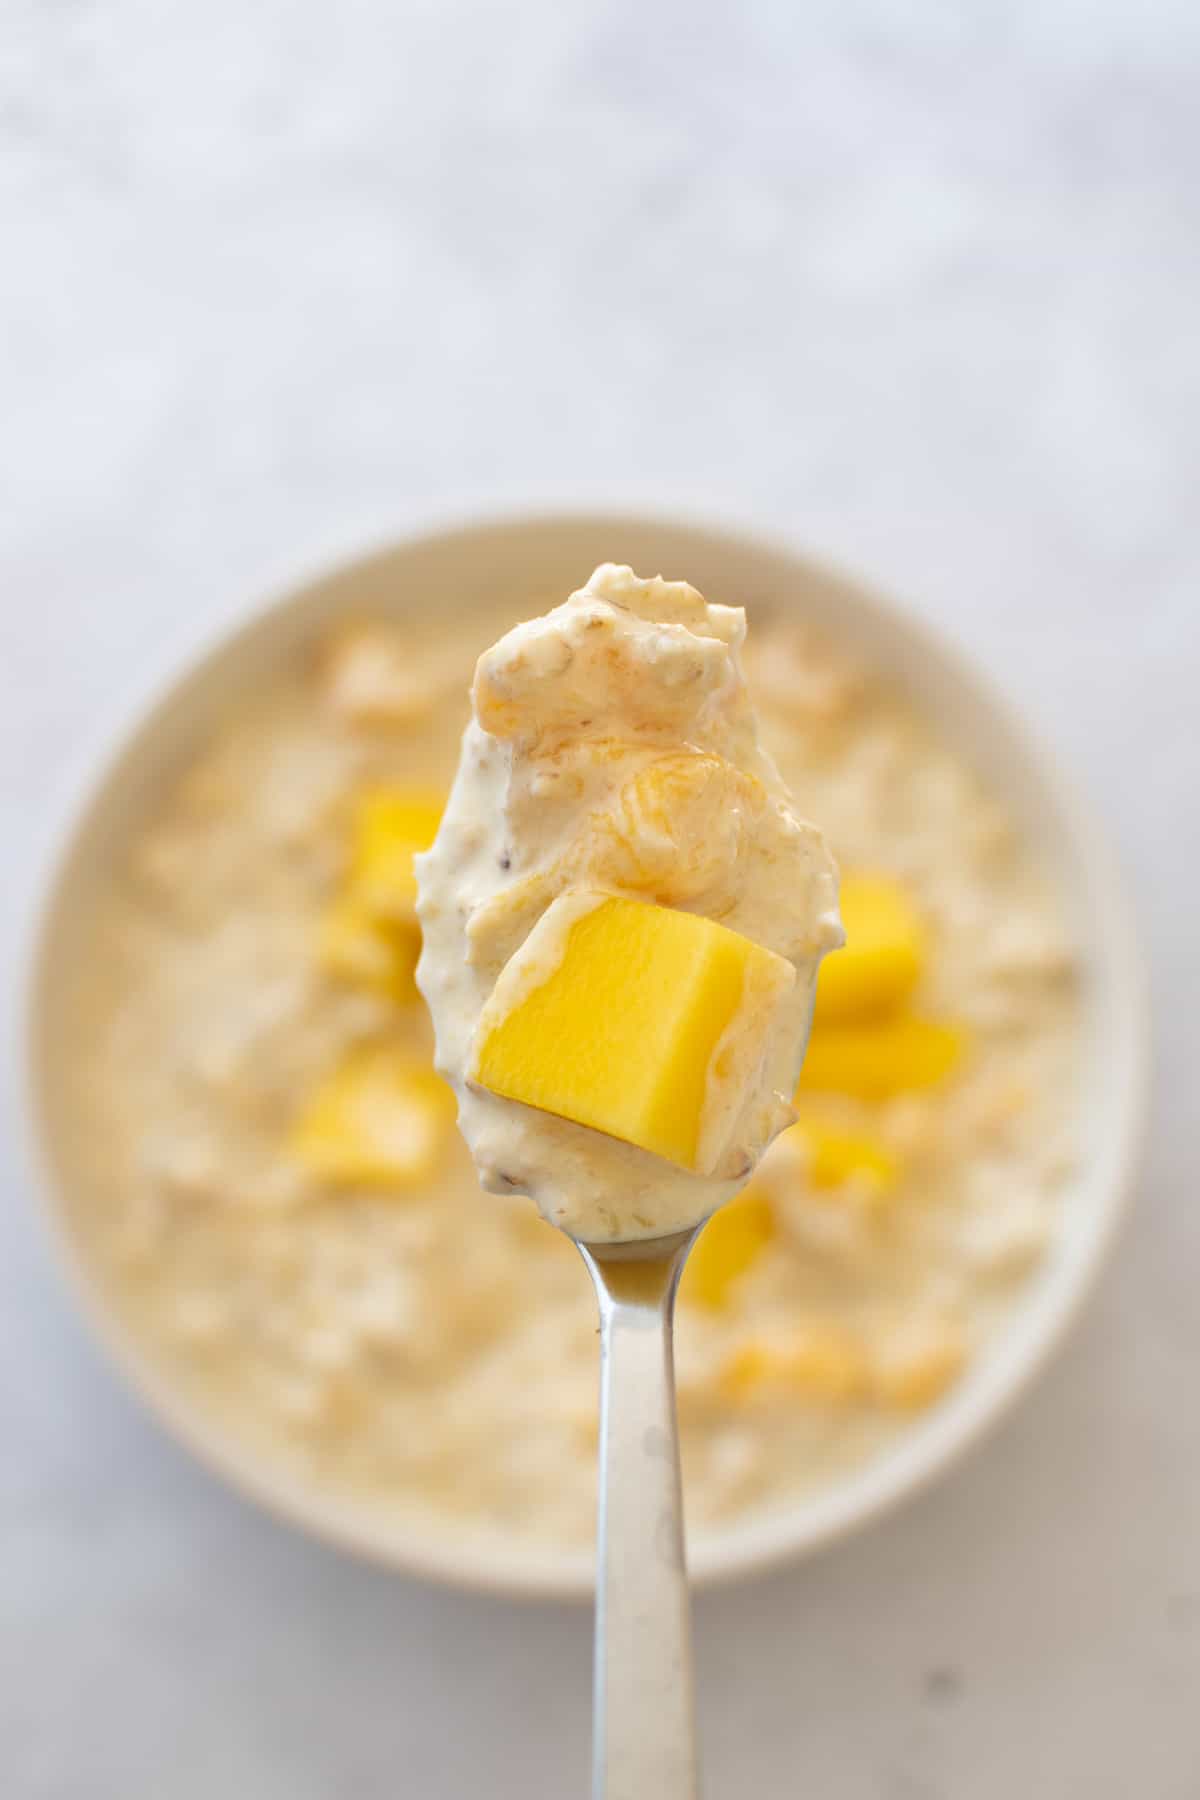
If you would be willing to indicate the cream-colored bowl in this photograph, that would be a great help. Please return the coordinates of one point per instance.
(508, 559)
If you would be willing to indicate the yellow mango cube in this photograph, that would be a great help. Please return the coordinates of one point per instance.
(378, 1121)
(836, 1157)
(820, 1362)
(876, 970)
(732, 1240)
(391, 826)
(876, 1061)
(380, 954)
(634, 1019)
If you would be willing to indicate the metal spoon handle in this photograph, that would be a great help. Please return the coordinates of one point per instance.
(645, 1746)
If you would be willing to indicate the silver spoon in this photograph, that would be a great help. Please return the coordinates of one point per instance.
(644, 1715)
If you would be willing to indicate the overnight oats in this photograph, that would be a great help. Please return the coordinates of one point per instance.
(622, 915)
(271, 1178)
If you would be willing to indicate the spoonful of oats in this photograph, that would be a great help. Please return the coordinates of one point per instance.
(623, 919)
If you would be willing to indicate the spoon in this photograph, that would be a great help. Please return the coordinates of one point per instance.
(644, 1716)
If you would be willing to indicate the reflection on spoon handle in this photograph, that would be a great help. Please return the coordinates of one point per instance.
(644, 1720)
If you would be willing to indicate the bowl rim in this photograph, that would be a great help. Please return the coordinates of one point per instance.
(492, 1563)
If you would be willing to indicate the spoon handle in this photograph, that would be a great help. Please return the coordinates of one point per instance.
(645, 1746)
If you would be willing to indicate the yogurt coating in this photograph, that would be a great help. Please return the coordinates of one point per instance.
(614, 749)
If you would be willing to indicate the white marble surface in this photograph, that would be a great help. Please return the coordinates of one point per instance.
(920, 283)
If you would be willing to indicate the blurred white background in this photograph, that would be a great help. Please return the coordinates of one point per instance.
(918, 283)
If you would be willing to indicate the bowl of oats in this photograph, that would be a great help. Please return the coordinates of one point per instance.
(252, 1169)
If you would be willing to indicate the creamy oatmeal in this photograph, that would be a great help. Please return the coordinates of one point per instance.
(271, 1174)
(613, 751)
